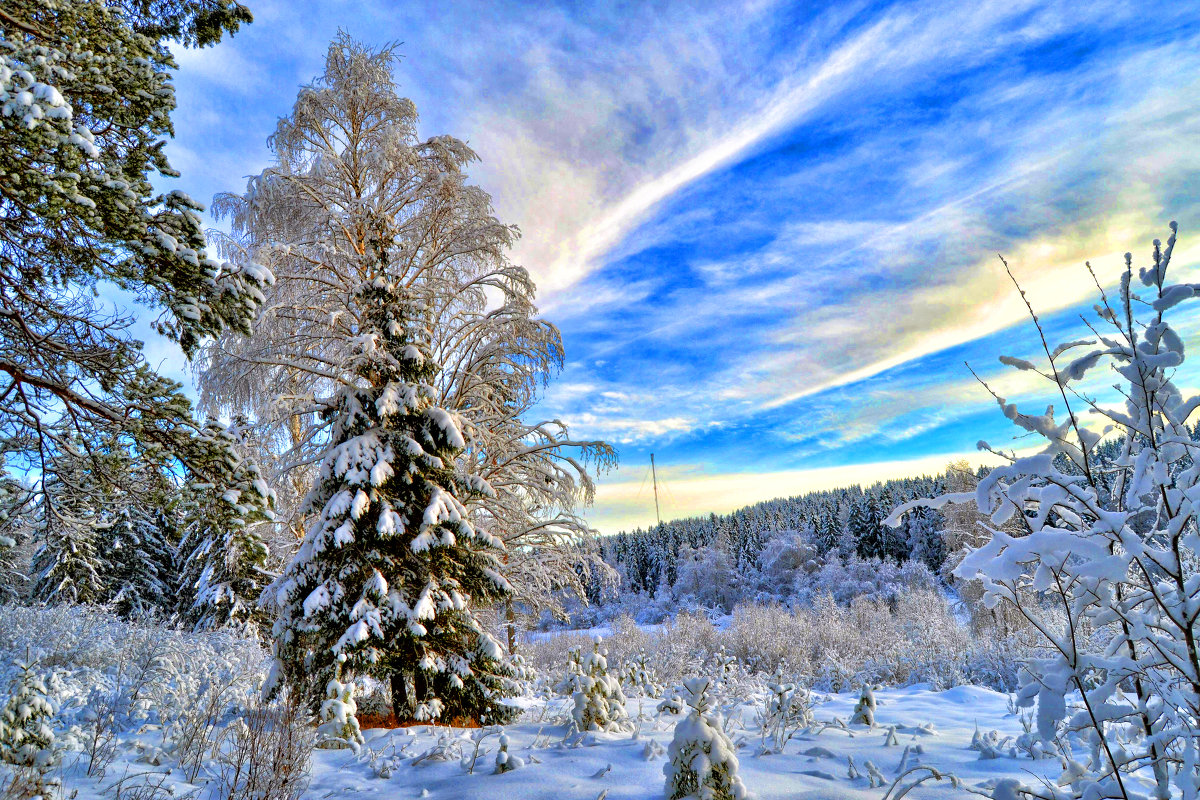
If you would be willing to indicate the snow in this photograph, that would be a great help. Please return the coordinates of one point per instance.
(969, 732)
(554, 770)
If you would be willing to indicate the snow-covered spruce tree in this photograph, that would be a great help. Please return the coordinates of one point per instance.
(339, 729)
(1121, 562)
(67, 567)
(86, 95)
(390, 566)
(137, 543)
(702, 762)
(26, 738)
(351, 174)
(138, 559)
(599, 701)
(224, 558)
(16, 528)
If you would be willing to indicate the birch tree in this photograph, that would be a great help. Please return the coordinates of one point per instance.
(352, 177)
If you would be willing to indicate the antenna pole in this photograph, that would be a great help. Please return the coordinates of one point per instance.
(654, 475)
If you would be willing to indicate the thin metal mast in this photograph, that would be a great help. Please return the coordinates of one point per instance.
(654, 474)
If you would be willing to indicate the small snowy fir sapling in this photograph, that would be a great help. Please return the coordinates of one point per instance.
(26, 738)
(505, 761)
(639, 676)
(599, 701)
(339, 728)
(570, 682)
(864, 710)
(672, 705)
(702, 762)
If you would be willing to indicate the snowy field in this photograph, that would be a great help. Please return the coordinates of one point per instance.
(935, 729)
(147, 713)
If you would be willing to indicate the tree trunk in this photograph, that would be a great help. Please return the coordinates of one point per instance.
(510, 619)
(401, 700)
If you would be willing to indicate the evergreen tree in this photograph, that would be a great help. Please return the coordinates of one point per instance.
(16, 509)
(702, 761)
(866, 525)
(390, 565)
(826, 533)
(26, 738)
(923, 533)
(67, 566)
(224, 558)
(138, 559)
(599, 700)
(86, 93)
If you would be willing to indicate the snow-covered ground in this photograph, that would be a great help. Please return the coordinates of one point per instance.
(142, 708)
(932, 728)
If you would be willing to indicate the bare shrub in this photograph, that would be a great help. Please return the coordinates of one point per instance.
(265, 754)
(114, 707)
(911, 637)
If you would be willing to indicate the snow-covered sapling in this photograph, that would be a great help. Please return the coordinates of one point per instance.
(786, 709)
(505, 761)
(702, 761)
(599, 701)
(639, 677)
(26, 738)
(864, 710)
(339, 726)
(672, 705)
(570, 682)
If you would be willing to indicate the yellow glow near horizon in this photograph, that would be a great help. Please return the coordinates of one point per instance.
(623, 505)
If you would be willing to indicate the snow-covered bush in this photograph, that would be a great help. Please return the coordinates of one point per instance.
(116, 675)
(639, 676)
(787, 708)
(701, 760)
(505, 761)
(848, 580)
(914, 638)
(709, 577)
(1107, 533)
(864, 709)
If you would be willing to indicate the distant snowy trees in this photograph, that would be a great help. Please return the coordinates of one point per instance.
(1094, 543)
(787, 550)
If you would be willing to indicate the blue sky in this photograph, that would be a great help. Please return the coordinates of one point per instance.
(768, 230)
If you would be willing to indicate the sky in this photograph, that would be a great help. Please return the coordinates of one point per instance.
(768, 231)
